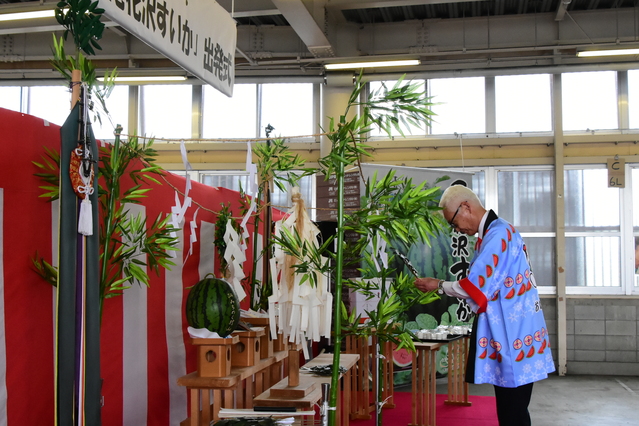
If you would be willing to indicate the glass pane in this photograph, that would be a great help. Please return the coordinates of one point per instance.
(523, 103)
(408, 130)
(165, 110)
(224, 117)
(541, 251)
(635, 218)
(593, 261)
(462, 106)
(526, 199)
(10, 98)
(589, 204)
(118, 106)
(479, 186)
(589, 100)
(633, 98)
(52, 103)
(288, 108)
(635, 200)
(231, 180)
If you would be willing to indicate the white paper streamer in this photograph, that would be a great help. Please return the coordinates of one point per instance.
(252, 170)
(251, 191)
(234, 256)
(178, 210)
(193, 236)
(187, 165)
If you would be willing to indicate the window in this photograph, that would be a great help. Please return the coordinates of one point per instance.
(462, 106)
(634, 172)
(165, 111)
(10, 97)
(593, 232)
(479, 185)
(526, 200)
(118, 106)
(589, 100)
(52, 103)
(633, 98)
(288, 108)
(231, 179)
(235, 117)
(523, 103)
(280, 200)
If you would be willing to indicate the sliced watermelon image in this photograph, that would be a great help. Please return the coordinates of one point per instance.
(542, 348)
(402, 357)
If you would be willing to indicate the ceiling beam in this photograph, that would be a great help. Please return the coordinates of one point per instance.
(305, 26)
(561, 10)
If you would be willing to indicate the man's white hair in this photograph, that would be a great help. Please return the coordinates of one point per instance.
(457, 194)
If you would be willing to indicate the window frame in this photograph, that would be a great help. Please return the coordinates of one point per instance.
(624, 234)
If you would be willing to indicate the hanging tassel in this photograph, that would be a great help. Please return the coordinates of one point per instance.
(85, 220)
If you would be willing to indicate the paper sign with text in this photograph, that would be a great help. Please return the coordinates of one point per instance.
(616, 173)
(199, 36)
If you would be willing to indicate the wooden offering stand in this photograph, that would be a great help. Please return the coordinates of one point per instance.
(294, 387)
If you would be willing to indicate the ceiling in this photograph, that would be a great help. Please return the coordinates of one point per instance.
(289, 38)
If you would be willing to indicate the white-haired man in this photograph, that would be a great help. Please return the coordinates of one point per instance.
(511, 345)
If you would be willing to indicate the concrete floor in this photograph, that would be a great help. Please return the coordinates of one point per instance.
(577, 400)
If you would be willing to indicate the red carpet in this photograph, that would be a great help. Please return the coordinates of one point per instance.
(481, 413)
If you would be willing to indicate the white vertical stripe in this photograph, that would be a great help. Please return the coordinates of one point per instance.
(207, 249)
(134, 349)
(3, 336)
(174, 339)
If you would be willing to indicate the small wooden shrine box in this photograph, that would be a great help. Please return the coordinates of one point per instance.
(246, 352)
(266, 341)
(214, 355)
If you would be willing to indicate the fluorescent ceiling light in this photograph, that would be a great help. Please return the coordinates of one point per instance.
(149, 78)
(27, 15)
(615, 52)
(352, 65)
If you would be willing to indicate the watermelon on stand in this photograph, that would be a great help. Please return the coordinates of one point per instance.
(213, 304)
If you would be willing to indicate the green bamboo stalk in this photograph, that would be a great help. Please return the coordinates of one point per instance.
(109, 243)
(337, 312)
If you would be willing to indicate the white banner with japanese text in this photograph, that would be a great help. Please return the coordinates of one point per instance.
(198, 36)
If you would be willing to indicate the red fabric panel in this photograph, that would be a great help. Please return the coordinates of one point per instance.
(111, 361)
(28, 300)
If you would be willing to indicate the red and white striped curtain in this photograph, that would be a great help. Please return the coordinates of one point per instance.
(143, 344)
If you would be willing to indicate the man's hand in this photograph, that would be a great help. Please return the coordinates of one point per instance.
(426, 284)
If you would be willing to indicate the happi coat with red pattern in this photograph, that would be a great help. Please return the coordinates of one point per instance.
(512, 346)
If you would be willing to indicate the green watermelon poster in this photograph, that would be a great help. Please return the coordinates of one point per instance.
(447, 257)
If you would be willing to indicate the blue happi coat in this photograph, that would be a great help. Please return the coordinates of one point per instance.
(512, 343)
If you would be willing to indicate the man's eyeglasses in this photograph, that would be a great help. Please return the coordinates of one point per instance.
(452, 219)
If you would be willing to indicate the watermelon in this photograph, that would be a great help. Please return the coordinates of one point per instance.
(213, 304)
